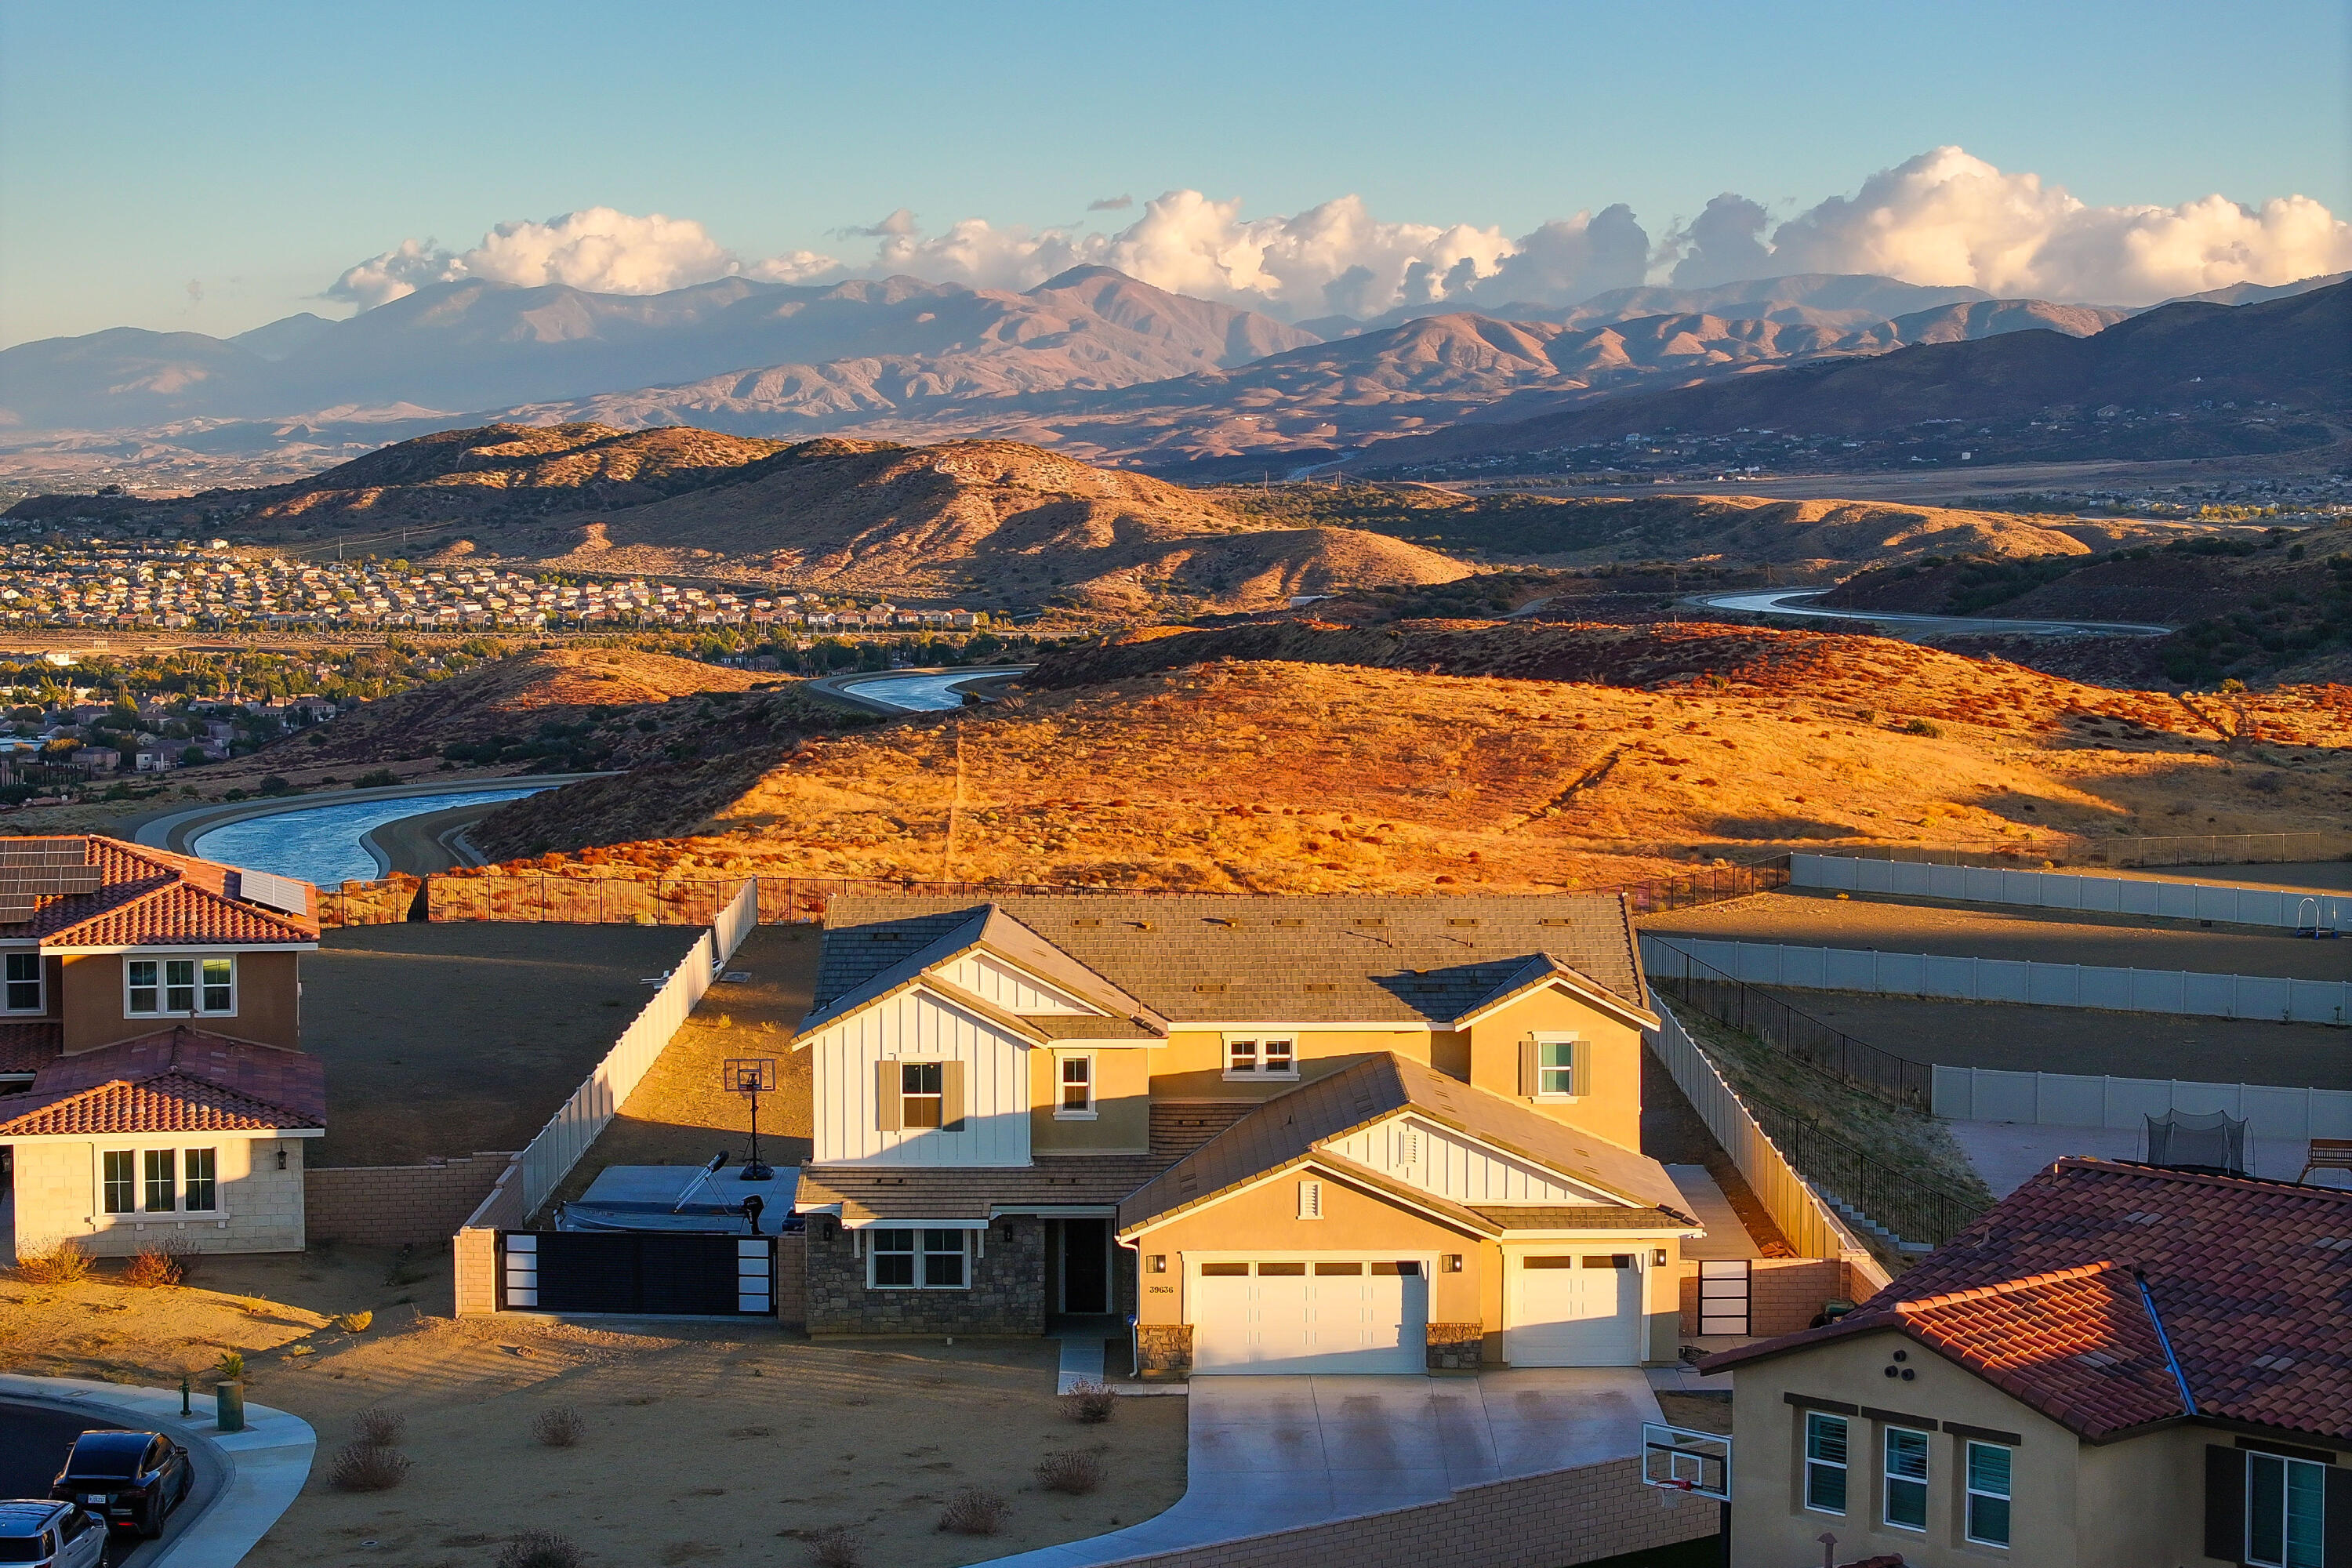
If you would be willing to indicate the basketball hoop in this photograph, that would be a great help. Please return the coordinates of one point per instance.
(1678, 1460)
(751, 1076)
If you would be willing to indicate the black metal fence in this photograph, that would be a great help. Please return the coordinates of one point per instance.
(1704, 988)
(1913, 1209)
(2166, 850)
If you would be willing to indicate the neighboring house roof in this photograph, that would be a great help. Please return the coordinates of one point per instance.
(176, 1080)
(26, 1045)
(1339, 960)
(128, 895)
(1296, 1126)
(2065, 1294)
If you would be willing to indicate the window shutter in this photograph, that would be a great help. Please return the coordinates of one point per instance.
(2225, 1503)
(886, 1085)
(1530, 1078)
(1579, 1068)
(2338, 1546)
(952, 1097)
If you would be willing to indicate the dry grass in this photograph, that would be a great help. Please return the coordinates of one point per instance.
(560, 1427)
(540, 1548)
(974, 1511)
(835, 1546)
(367, 1467)
(1088, 1403)
(379, 1428)
(1072, 1471)
(151, 1268)
(58, 1263)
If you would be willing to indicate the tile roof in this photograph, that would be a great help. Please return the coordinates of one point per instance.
(173, 1103)
(154, 897)
(1186, 956)
(26, 1045)
(2250, 1281)
(172, 1077)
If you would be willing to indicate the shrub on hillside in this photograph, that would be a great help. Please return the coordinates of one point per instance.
(559, 1428)
(972, 1511)
(367, 1467)
(1071, 1471)
(538, 1549)
(379, 1428)
(835, 1546)
(1088, 1403)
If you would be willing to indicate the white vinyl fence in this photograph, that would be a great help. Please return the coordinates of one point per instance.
(2186, 992)
(2068, 890)
(2073, 1100)
(1810, 1226)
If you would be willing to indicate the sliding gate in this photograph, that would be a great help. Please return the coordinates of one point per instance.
(649, 1273)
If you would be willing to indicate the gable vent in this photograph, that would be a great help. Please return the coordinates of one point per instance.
(1310, 1200)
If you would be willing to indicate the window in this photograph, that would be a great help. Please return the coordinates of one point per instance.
(187, 985)
(1824, 1462)
(24, 983)
(163, 1186)
(1261, 1059)
(1988, 1498)
(1077, 1087)
(198, 1168)
(1555, 1067)
(144, 995)
(1907, 1479)
(921, 1093)
(911, 1259)
(2285, 1512)
(120, 1169)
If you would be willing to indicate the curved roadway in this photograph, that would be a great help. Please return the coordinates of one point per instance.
(1785, 602)
(908, 690)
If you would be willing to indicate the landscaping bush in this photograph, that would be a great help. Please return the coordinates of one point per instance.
(379, 1428)
(150, 1266)
(559, 1428)
(538, 1549)
(1072, 1471)
(1088, 1403)
(230, 1367)
(972, 1511)
(835, 1546)
(376, 778)
(353, 1322)
(60, 1263)
(367, 1467)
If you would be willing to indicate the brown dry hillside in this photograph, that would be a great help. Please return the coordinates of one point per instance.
(1280, 775)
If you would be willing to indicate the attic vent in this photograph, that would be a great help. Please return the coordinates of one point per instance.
(1085, 922)
(1554, 921)
(1286, 922)
(1318, 988)
(1211, 988)
(1462, 925)
(1310, 1200)
(1371, 920)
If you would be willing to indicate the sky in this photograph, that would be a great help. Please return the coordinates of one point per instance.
(209, 168)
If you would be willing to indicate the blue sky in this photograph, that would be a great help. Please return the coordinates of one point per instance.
(257, 151)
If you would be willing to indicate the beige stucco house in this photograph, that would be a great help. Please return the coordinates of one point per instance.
(2118, 1366)
(1361, 1134)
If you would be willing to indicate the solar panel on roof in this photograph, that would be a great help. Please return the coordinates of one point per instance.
(277, 892)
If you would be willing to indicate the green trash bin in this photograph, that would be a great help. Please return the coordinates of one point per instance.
(228, 1407)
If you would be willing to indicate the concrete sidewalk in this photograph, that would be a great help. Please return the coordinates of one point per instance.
(1264, 1454)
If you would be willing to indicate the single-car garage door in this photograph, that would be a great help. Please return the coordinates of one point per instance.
(1326, 1315)
(1571, 1310)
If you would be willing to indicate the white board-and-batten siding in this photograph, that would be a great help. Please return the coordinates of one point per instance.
(916, 1025)
(1024, 996)
(1455, 1167)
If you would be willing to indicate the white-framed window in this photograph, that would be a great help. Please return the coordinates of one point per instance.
(1261, 1057)
(2287, 1511)
(159, 1182)
(1825, 1467)
(118, 1181)
(24, 984)
(1556, 1068)
(133, 1182)
(922, 1093)
(163, 987)
(1988, 1479)
(917, 1258)
(199, 1189)
(1073, 1089)
(1907, 1479)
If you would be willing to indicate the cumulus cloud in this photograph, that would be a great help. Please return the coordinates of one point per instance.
(598, 249)
(1110, 204)
(1722, 245)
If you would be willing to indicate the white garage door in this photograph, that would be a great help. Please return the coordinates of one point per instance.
(1328, 1315)
(1567, 1310)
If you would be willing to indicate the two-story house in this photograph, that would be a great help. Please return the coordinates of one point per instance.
(152, 1084)
(1373, 1134)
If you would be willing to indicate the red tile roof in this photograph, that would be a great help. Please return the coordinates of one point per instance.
(154, 897)
(27, 1045)
(171, 1103)
(2065, 1293)
(176, 1081)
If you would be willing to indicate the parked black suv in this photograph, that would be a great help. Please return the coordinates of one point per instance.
(126, 1477)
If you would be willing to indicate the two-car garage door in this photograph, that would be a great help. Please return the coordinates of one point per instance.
(1324, 1315)
(1568, 1310)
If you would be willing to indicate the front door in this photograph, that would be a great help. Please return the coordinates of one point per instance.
(1085, 1266)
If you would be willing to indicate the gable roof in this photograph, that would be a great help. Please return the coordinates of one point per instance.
(1300, 1125)
(2065, 1293)
(151, 898)
(173, 1103)
(1374, 960)
(174, 1080)
(989, 929)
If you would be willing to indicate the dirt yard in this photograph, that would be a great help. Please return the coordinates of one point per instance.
(2052, 937)
(445, 1039)
(703, 1442)
(679, 1114)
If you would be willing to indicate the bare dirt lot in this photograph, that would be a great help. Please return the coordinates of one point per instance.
(445, 1039)
(703, 1442)
(2301, 877)
(2051, 936)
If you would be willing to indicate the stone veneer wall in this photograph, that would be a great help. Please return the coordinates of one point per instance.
(791, 1280)
(382, 1205)
(1164, 1348)
(1456, 1347)
(1007, 1294)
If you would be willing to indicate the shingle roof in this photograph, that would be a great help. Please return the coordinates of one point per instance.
(171, 1076)
(1300, 1124)
(154, 897)
(1272, 959)
(2251, 1282)
(990, 929)
(173, 1103)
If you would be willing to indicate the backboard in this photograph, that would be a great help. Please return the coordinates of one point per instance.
(1679, 1459)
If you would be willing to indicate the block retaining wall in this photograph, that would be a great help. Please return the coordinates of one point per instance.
(373, 1206)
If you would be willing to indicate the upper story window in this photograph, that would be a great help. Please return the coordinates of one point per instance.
(1261, 1059)
(1907, 1479)
(1553, 1066)
(922, 1093)
(23, 991)
(161, 987)
(1076, 1087)
(1989, 1496)
(1825, 1468)
(2287, 1511)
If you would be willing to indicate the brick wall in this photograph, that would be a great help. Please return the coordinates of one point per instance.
(791, 1280)
(1784, 1294)
(1536, 1522)
(388, 1204)
(475, 1252)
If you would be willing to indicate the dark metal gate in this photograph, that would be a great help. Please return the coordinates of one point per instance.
(637, 1272)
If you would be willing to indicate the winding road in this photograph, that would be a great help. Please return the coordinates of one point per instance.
(1792, 603)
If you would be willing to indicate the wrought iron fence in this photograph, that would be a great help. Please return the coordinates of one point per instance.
(1704, 988)
(1913, 1209)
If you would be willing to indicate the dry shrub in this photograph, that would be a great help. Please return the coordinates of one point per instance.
(972, 1511)
(835, 1546)
(367, 1467)
(149, 1267)
(1072, 1471)
(559, 1428)
(379, 1428)
(58, 1263)
(1088, 1403)
(538, 1549)
(353, 1322)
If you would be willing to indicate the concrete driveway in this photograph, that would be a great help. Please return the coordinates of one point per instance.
(1273, 1453)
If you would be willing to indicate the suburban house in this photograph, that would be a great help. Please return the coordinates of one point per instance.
(2117, 1366)
(1344, 1134)
(152, 1087)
